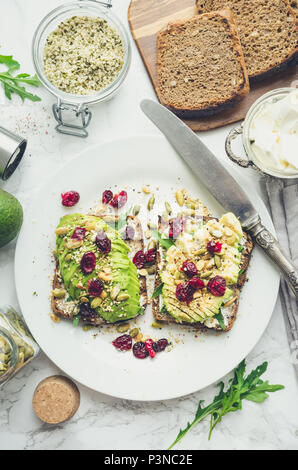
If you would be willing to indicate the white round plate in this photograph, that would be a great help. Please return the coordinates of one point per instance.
(196, 360)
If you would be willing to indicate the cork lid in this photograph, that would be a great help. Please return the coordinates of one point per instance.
(56, 399)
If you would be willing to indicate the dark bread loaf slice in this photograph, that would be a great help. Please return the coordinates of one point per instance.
(268, 32)
(201, 68)
(294, 5)
(61, 308)
(229, 313)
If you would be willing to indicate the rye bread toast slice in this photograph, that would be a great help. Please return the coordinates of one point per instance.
(268, 31)
(229, 313)
(201, 69)
(65, 309)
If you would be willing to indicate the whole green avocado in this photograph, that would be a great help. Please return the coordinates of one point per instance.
(11, 217)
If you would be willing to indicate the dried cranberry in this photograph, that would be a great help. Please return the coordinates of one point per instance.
(119, 200)
(150, 256)
(107, 196)
(88, 262)
(148, 346)
(160, 345)
(78, 233)
(189, 268)
(95, 287)
(196, 283)
(176, 227)
(139, 259)
(217, 286)
(70, 198)
(139, 350)
(214, 247)
(103, 242)
(129, 233)
(124, 342)
(87, 313)
(184, 292)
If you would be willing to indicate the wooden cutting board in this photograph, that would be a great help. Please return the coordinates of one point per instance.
(147, 17)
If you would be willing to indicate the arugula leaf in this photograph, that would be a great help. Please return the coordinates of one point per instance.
(164, 242)
(250, 388)
(11, 83)
(10, 63)
(163, 309)
(220, 318)
(157, 291)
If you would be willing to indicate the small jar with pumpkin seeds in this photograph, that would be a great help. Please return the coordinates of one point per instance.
(17, 346)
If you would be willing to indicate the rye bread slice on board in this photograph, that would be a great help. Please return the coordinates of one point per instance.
(201, 68)
(60, 308)
(268, 31)
(229, 313)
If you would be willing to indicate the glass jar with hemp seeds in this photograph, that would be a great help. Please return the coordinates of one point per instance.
(17, 346)
(82, 54)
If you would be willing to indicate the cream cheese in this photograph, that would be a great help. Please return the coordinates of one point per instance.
(274, 134)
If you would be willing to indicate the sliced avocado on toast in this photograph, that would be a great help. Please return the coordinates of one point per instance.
(205, 310)
(123, 296)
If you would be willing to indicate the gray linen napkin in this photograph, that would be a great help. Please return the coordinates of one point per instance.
(283, 202)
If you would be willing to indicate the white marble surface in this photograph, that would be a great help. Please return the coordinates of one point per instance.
(103, 422)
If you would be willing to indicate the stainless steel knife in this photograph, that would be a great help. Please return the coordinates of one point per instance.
(220, 184)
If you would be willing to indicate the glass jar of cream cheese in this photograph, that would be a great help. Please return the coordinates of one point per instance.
(270, 135)
(81, 53)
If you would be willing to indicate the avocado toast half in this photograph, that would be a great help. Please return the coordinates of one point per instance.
(119, 294)
(226, 261)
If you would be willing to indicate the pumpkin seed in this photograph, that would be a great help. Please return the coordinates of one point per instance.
(123, 297)
(168, 208)
(96, 302)
(151, 203)
(85, 300)
(59, 293)
(62, 230)
(73, 244)
(55, 318)
(210, 263)
(230, 302)
(103, 295)
(123, 328)
(206, 274)
(190, 205)
(151, 226)
(115, 291)
(146, 190)
(68, 257)
(86, 327)
(143, 272)
(136, 209)
(157, 324)
(217, 261)
(165, 216)
(151, 270)
(134, 332)
(180, 198)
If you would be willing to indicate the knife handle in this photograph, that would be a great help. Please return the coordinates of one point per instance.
(273, 249)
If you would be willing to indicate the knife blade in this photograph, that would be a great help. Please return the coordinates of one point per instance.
(219, 183)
